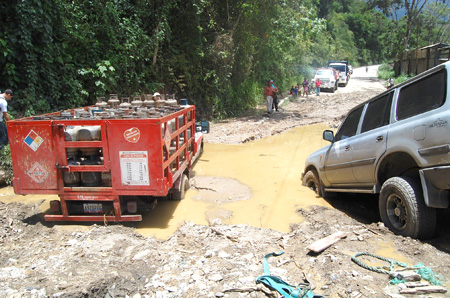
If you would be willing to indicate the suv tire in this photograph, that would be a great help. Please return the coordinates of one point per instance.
(311, 181)
(403, 210)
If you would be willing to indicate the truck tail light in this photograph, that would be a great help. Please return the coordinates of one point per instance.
(55, 206)
(132, 207)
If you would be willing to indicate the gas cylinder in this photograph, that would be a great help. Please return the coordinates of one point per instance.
(137, 102)
(125, 102)
(70, 135)
(71, 179)
(101, 103)
(113, 100)
(89, 133)
(90, 178)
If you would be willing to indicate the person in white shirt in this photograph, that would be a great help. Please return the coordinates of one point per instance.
(4, 97)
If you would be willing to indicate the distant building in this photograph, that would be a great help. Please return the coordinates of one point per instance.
(418, 60)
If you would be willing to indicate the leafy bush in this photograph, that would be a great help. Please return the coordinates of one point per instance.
(6, 164)
(385, 71)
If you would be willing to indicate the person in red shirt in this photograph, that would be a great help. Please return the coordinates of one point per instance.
(269, 92)
(318, 83)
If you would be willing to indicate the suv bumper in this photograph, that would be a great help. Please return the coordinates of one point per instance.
(436, 186)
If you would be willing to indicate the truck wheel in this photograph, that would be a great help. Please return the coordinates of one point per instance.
(403, 210)
(178, 195)
(333, 89)
(311, 181)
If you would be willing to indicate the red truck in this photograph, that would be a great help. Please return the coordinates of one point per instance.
(105, 163)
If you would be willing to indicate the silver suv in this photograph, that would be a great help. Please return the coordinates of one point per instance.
(397, 145)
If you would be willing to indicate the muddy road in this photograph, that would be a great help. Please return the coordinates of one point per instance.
(246, 200)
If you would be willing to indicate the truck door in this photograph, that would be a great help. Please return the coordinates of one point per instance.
(338, 160)
(371, 143)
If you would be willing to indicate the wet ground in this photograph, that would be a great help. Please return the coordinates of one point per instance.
(246, 200)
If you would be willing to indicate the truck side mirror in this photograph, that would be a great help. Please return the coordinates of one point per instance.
(328, 135)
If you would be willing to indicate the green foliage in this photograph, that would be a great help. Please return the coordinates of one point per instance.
(59, 54)
(6, 164)
(385, 71)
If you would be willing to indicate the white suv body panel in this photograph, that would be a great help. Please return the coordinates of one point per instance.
(359, 162)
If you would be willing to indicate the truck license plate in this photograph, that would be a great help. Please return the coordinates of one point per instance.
(92, 208)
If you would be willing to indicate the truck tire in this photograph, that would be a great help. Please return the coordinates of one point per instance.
(178, 195)
(333, 89)
(403, 210)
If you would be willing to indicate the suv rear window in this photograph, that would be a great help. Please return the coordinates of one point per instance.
(422, 96)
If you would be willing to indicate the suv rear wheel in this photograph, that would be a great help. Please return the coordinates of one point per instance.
(403, 210)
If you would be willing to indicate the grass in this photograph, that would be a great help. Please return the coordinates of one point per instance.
(385, 71)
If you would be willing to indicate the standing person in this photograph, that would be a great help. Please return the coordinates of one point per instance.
(390, 83)
(268, 94)
(4, 97)
(318, 83)
(305, 87)
(275, 98)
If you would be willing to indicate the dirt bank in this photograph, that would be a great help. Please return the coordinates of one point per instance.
(40, 259)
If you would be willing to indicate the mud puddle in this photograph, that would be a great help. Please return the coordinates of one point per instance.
(270, 168)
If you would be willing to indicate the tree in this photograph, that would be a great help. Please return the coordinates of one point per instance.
(394, 10)
(436, 22)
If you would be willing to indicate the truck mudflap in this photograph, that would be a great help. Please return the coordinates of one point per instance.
(436, 186)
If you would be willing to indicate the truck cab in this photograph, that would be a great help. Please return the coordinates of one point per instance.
(344, 72)
(329, 78)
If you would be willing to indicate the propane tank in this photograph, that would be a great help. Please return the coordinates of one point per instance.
(72, 179)
(90, 178)
(137, 102)
(113, 100)
(148, 102)
(70, 135)
(125, 102)
(106, 179)
(89, 133)
(101, 103)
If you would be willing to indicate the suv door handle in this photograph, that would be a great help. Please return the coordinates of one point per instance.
(380, 138)
(347, 148)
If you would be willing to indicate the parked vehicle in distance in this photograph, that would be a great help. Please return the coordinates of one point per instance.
(397, 145)
(329, 78)
(342, 67)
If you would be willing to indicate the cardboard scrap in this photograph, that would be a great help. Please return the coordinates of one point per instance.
(326, 242)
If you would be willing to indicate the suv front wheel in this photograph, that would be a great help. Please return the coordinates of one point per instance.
(403, 210)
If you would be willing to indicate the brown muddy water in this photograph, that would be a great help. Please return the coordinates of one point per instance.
(270, 167)
(268, 170)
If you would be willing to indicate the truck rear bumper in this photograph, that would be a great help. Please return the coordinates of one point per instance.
(436, 186)
(90, 218)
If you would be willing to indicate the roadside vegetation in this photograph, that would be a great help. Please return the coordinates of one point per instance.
(6, 166)
(385, 71)
(59, 54)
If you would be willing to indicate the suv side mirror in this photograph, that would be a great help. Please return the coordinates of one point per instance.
(328, 135)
